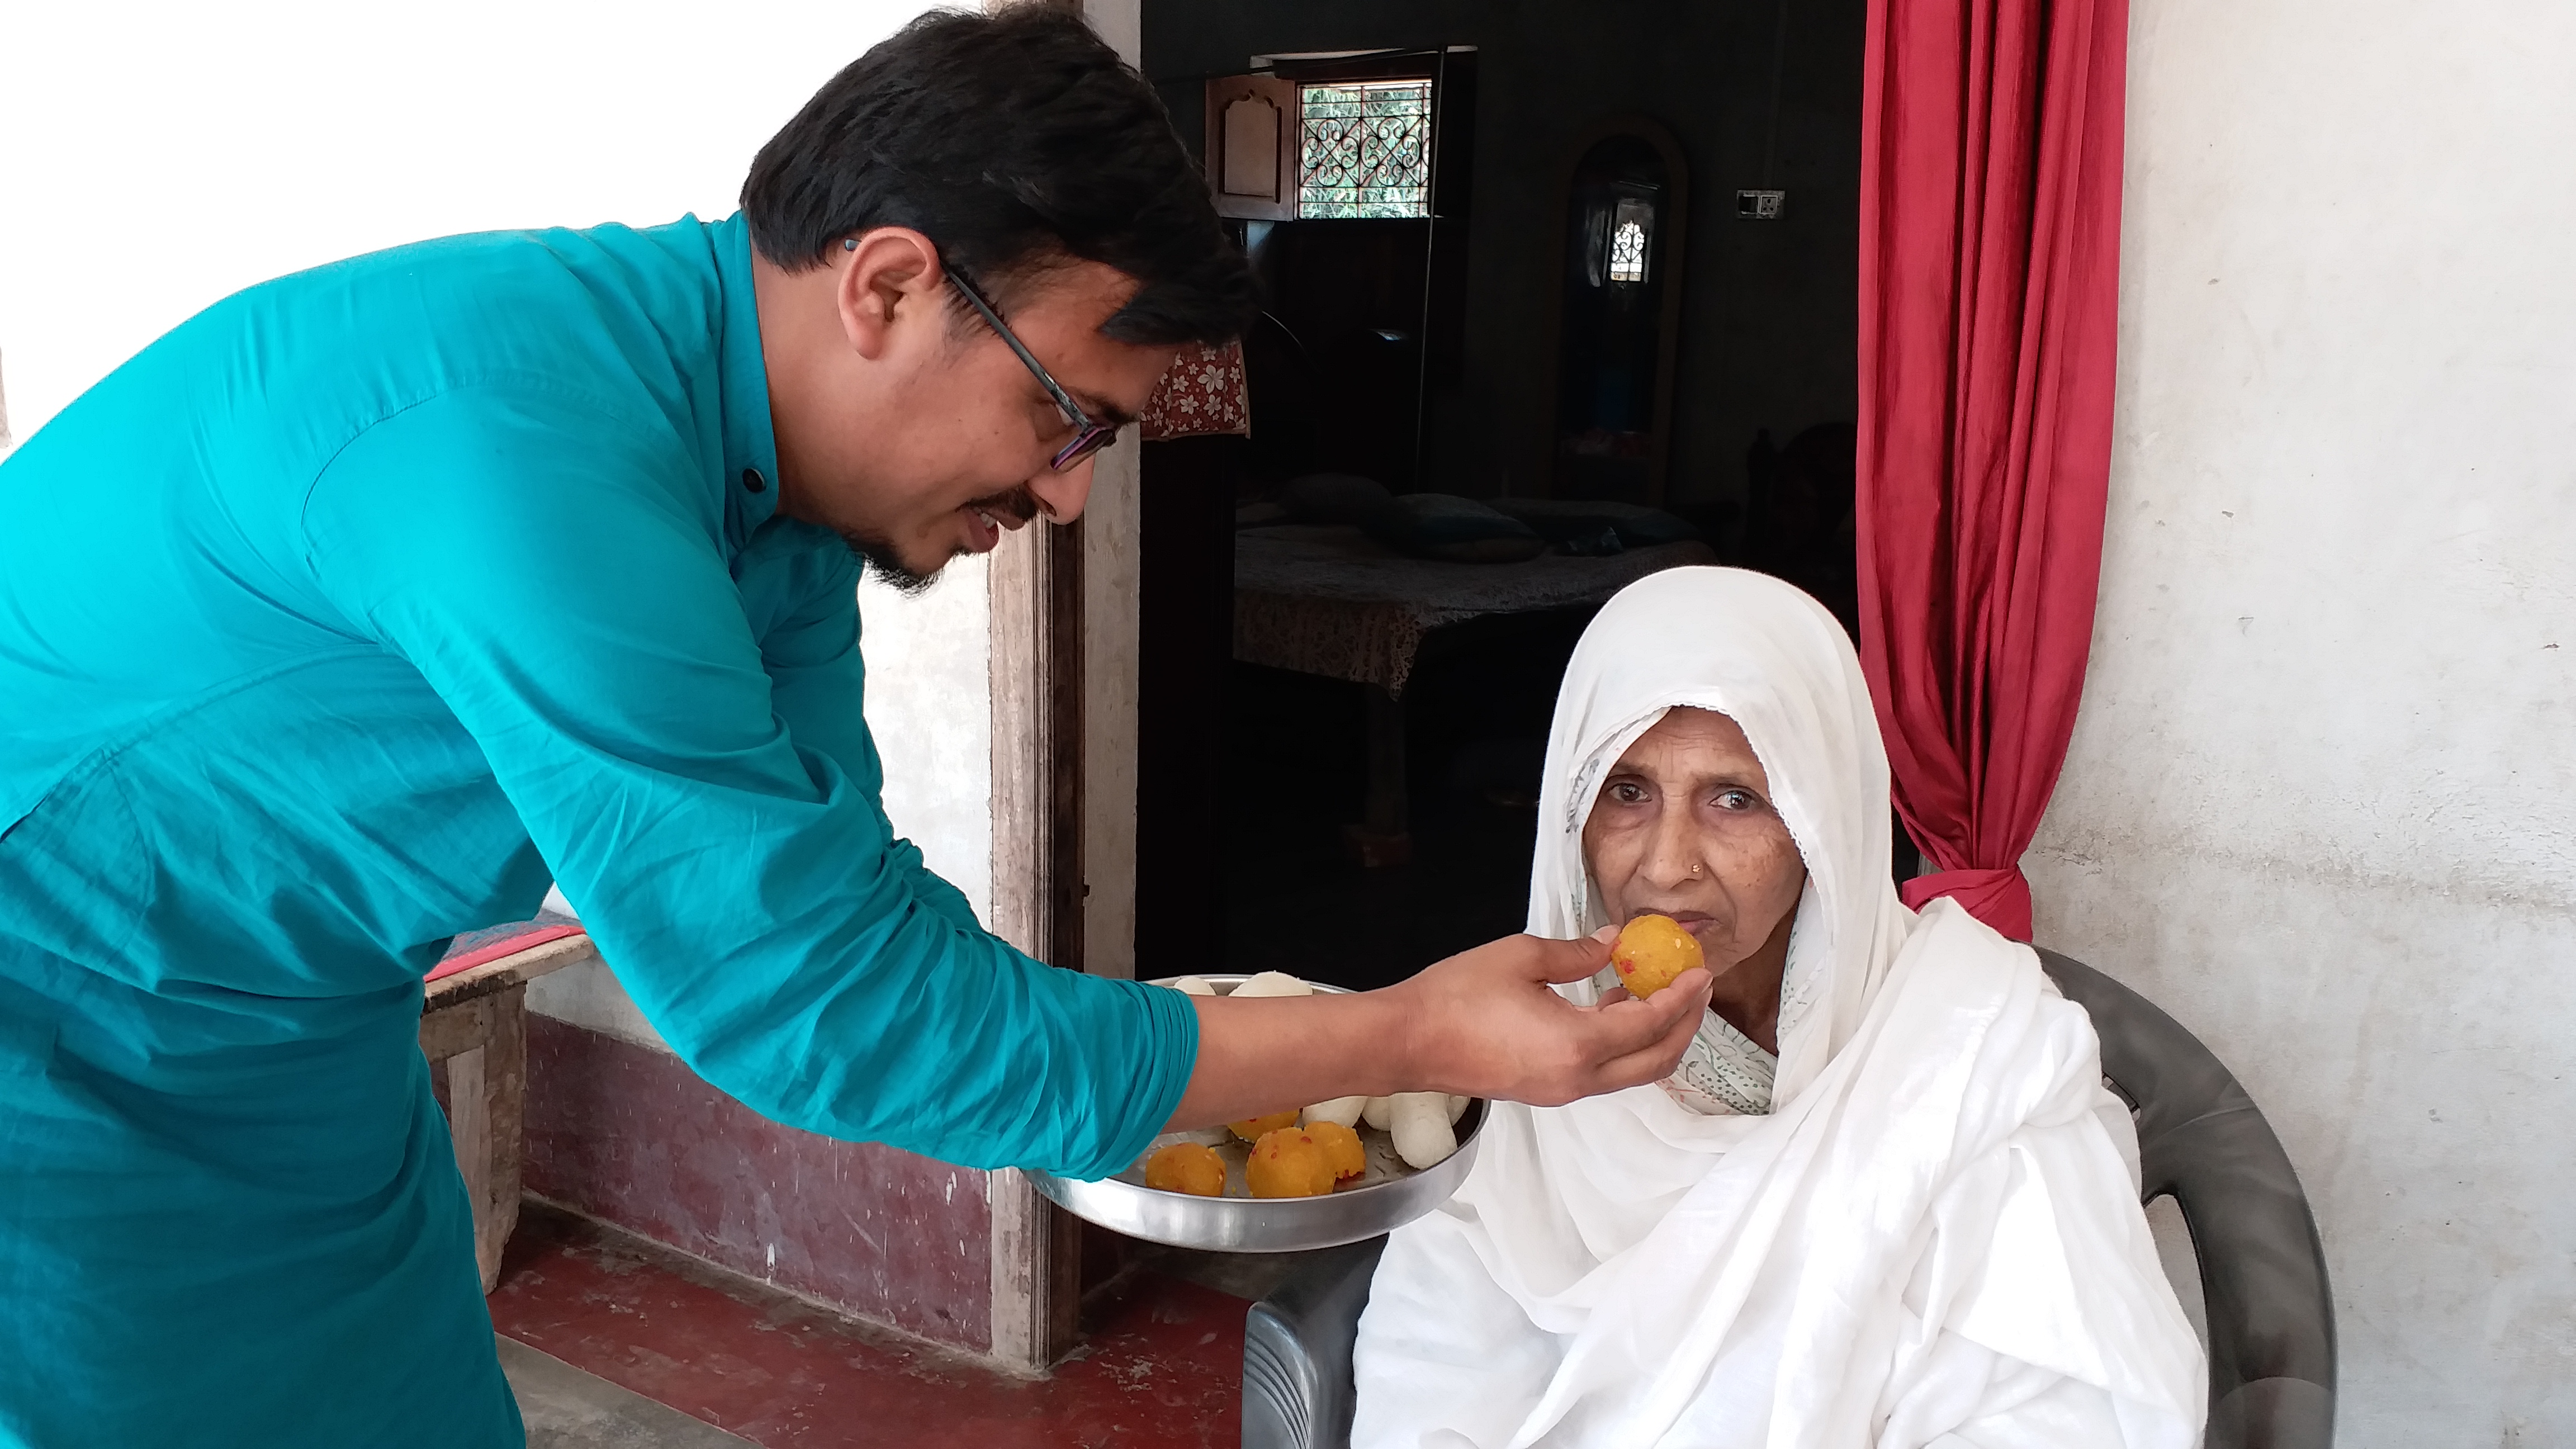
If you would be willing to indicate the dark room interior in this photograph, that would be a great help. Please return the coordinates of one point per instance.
(1476, 352)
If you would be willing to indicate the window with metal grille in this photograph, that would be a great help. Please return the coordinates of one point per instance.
(1365, 149)
(1628, 240)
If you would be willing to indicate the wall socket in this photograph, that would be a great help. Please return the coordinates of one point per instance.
(1760, 205)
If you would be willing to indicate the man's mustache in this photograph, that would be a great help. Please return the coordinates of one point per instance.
(1019, 505)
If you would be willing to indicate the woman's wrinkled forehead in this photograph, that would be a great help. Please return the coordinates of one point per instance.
(1695, 740)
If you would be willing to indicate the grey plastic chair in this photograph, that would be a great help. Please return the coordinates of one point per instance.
(2200, 1139)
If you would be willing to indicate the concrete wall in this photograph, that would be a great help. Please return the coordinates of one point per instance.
(2322, 798)
(929, 694)
(1110, 596)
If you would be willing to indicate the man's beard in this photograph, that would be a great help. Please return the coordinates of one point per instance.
(887, 567)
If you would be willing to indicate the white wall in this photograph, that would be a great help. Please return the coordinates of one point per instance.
(1110, 647)
(1110, 655)
(155, 157)
(930, 708)
(2322, 797)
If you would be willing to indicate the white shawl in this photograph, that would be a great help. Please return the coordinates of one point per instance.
(1933, 1238)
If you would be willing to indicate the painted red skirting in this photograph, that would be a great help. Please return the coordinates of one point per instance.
(630, 1135)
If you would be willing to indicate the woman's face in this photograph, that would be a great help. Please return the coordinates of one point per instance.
(1683, 827)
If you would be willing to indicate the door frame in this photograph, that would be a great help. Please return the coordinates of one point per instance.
(1063, 657)
(1037, 698)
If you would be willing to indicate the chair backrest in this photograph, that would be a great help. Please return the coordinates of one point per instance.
(2262, 1269)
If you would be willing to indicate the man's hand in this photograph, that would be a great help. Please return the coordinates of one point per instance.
(1486, 1024)
(1482, 1023)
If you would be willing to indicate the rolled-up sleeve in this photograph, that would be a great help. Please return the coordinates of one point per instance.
(537, 558)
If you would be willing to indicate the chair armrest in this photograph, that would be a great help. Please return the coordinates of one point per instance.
(2270, 1412)
(2262, 1266)
(1297, 1389)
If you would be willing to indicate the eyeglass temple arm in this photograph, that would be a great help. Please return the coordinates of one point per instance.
(1054, 389)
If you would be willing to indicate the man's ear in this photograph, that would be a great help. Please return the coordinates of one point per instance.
(888, 276)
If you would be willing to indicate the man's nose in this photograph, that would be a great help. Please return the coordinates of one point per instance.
(1061, 496)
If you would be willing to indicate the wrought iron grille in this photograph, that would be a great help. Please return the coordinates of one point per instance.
(1365, 149)
(1632, 236)
(1628, 251)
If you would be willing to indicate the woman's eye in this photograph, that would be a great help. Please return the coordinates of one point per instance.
(1627, 794)
(1737, 800)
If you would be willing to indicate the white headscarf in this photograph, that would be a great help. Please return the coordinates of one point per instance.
(1889, 1256)
(1793, 685)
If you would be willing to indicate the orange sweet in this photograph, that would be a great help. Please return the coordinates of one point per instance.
(1188, 1167)
(1342, 1149)
(1251, 1128)
(1651, 951)
(1287, 1163)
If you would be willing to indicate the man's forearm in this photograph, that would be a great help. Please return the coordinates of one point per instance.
(1277, 1053)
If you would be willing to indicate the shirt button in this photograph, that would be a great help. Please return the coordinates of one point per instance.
(752, 480)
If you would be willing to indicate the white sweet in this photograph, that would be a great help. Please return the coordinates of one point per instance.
(1379, 1113)
(1420, 1127)
(1193, 986)
(1458, 1107)
(1342, 1110)
(1272, 983)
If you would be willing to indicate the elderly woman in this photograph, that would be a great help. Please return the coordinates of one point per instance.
(1885, 1201)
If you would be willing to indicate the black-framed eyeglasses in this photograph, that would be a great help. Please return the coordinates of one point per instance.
(1088, 437)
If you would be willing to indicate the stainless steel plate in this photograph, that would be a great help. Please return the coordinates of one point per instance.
(1388, 1195)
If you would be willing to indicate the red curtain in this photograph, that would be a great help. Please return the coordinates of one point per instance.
(1989, 301)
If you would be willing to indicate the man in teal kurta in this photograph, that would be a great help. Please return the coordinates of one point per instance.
(360, 606)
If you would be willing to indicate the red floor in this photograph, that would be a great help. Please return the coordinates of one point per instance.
(1161, 1367)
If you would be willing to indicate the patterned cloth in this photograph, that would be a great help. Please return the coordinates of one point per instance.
(1723, 1070)
(1335, 602)
(1201, 393)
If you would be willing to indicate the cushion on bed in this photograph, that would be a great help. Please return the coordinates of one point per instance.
(1579, 527)
(1334, 498)
(1458, 530)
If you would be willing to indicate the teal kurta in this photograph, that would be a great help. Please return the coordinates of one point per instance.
(337, 622)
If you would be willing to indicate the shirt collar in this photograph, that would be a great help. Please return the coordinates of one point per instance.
(750, 446)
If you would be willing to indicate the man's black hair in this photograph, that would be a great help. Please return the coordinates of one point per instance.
(1011, 140)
